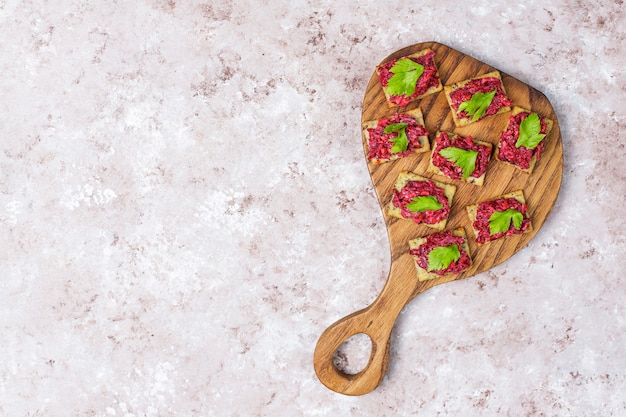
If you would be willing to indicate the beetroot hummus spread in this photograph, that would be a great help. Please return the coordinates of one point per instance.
(380, 142)
(416, 189)
(508, 152)
(480, 85)
(447, 167)
(428, 79)
(487, 208)
(442, 239)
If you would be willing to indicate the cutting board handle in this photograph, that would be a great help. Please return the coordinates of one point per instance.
(376, 321)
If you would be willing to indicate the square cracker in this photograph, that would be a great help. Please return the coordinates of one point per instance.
(428, 92)
(423, 140)
(460, 122)
(473, 208)
(403, 178)
(479, 181)
(516, 110)
(423, 274)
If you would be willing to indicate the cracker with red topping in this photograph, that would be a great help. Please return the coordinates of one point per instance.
(523, 140)
(499, 217)
(474, 99)
(409, 78)
(421, 199)
(440, 254)
(460, 158)
(395, 137)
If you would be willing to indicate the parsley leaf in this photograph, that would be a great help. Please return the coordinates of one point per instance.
(405, 72)
(500, 221)
(464, 159)
(394, 127)
(424, 203)
(442, 256)
(529, 136)
(401, 141)
(477, 105)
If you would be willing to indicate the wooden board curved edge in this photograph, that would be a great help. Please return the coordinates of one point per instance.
(540, 188)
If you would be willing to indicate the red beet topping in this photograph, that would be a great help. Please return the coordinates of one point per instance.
(518, 156)
(448, 168)
(427, 80)
(442, 239)
(480, 85)
(421, 188)
(380, 142)
(487, 208)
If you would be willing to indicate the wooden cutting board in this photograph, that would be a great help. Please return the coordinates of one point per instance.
(541, 189)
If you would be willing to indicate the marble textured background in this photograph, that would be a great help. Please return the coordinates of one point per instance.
(185, 207)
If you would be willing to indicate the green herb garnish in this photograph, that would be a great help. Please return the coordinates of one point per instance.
(424, 203)
(401, 141)
(529, 136)
(500, 221)
(394, 127)
(405, 72)
(442, 256)
(464, 159)
(477, 105)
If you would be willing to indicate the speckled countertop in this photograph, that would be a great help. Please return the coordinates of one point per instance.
(185, 207)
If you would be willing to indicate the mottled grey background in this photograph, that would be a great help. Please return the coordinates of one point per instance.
(185, 207)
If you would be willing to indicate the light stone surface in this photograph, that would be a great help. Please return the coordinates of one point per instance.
(185, 207)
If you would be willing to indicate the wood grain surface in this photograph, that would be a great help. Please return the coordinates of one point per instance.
(540, 189)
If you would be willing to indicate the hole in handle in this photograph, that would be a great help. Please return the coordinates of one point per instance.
(353, 355)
